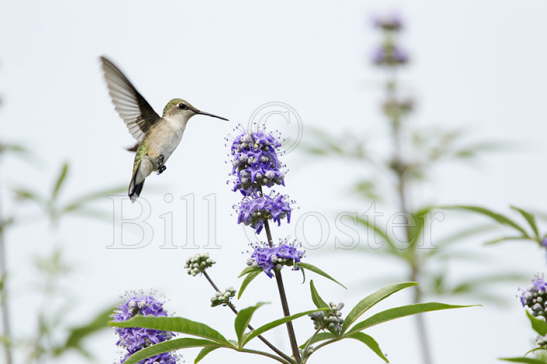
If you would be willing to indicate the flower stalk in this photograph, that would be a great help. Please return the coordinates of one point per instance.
(235, 311)
(284, 301)
(391, 57)
(4, 295)
(399, 168)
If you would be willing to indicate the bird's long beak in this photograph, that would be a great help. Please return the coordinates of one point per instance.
(211, 115)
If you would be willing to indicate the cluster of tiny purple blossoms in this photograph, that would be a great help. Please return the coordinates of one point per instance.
(255, 162)
(389, 53)
(134, 339)
(268, 258)
(255, 166)
(254, 211)
(388, 22)
(534, 299)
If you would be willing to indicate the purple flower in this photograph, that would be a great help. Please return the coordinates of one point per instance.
(164, 358)
(268, 257)
(390, 55)
(134, 339)
(391, 22)
(535, 298)
(256, 210)
(255, 162)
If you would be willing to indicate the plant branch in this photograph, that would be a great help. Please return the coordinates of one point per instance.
(262, 338)
(284, 301)
(4, 296)
(308, 344)
(325, 344)
(420, 322)
(399, 168)
(258, 352)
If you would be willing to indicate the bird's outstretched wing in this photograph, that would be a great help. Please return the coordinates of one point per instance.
(135, 111)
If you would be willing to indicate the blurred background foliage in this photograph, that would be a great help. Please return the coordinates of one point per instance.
(52, 336)
(413, 154)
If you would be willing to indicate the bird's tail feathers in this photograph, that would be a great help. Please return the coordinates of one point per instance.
(135, 187)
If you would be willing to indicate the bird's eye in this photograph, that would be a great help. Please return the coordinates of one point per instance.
(183, 106)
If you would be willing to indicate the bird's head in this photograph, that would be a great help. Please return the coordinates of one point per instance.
(180, 108)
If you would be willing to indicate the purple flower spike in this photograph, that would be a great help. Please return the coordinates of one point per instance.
(539, 284)
(255, 162)
(390, 22)
(256, 210)
(390, 55)
(134, 339)
(268, 257)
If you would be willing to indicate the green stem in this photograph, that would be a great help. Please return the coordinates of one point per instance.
(262, 338)
(308, 344)
(420, 322)
(284, 301)
(4, 296)
(325, 344)
(258, 352)
(400, 169)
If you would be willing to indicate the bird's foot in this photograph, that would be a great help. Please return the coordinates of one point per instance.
(159, 161)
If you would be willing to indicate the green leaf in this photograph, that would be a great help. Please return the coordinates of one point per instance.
(270, 325)
(370, 342)
(318, 271)
(539, 326)
(316, 298)
(92, 196)
(524, 360)
(250, 269)
(167, 346)
(467, 256)
(367, 189)
(504, 239)
(416, 225)
(486, 280)
(401, 311)
(462, 234)
(502, 219)
(22, 194)
(366, 303)
(531, 219)
(378, 231)
(177, 324)
(5, 223)
(250, 276)
(203, 352)
(12, 147)
(319, 337)
(78, 334)
(60, 181)
(242, 320)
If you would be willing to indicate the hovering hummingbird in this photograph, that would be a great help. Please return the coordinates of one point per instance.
(157, 136)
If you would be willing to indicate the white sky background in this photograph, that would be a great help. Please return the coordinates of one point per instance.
(475, 64)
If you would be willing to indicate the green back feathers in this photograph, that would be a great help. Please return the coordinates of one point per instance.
(142, 150)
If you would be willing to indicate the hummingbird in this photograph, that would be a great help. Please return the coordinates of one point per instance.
(157, 136)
